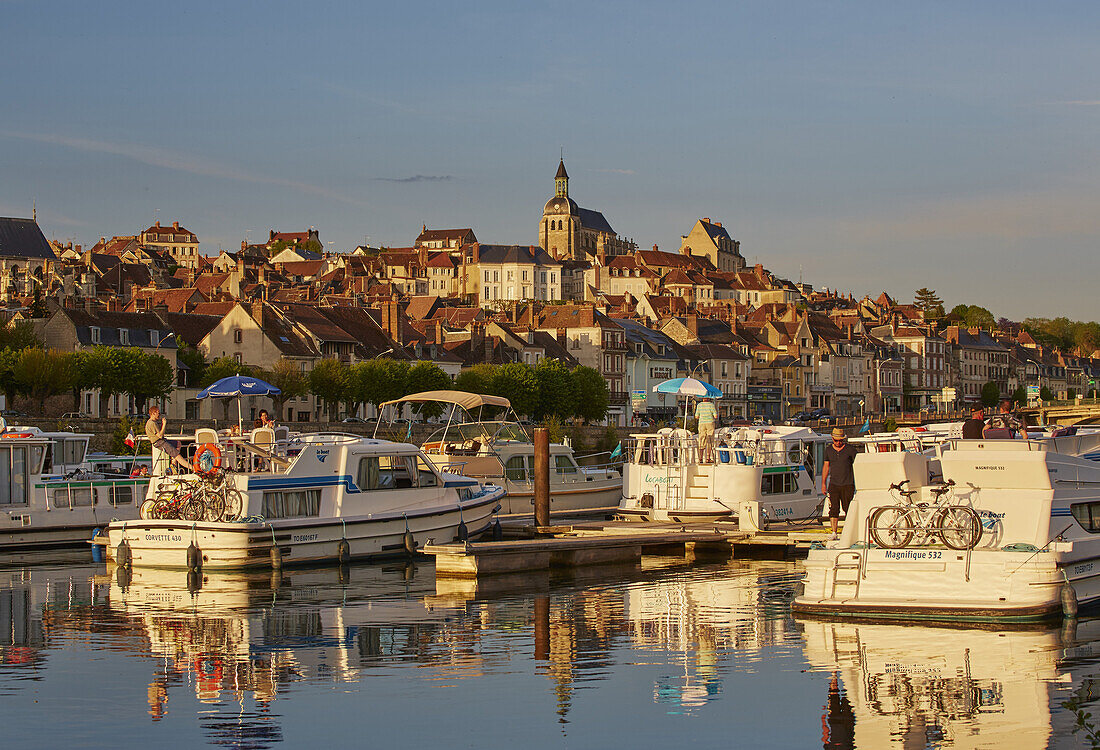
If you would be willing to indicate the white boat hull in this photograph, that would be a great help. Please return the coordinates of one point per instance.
(164, 544)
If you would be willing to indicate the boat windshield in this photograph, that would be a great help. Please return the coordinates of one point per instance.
(482, 432)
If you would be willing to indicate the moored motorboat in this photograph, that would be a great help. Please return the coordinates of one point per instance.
(500, 450)
(757, 475)
(331, 497)
(997, 530)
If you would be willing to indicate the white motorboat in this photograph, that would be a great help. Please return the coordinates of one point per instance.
(1000, 530)
(758, 475)
(330, 497)
(47, 499)
(501, 451)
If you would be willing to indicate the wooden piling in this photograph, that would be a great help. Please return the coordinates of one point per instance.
(542, 477)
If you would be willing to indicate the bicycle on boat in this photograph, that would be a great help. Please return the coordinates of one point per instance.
(909, 521)
(208, 497)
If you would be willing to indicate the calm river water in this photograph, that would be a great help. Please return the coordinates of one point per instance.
(657, 656)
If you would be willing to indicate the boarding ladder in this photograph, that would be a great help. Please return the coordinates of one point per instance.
(847, 571)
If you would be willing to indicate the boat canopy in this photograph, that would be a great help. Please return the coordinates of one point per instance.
(467, 401)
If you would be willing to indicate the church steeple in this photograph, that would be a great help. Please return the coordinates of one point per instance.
(561, 181)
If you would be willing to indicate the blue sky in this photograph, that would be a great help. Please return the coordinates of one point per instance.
(867, 146)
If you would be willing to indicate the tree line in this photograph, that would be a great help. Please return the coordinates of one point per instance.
(549, 389)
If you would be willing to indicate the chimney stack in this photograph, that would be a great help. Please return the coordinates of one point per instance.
(706, 220)
(175, 225)
(157, 223)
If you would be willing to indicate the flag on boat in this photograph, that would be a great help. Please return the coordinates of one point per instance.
(618, 450)
(409, 432)
(131, 439)
(866, 427)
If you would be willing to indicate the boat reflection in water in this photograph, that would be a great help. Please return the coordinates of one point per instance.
(314, 655)
(914, 686)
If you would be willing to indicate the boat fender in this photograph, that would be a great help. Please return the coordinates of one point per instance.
(194, 581)
(498, 531)
(123, 556)
(1069, 601)
(343, 551)
(463, 532)
(410, 543)
(194, 557)
(124, 576)
(276, 558)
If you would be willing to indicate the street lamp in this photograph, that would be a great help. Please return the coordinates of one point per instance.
(878, 382)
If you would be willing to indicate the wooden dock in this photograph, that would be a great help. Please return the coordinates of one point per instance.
(592, 543)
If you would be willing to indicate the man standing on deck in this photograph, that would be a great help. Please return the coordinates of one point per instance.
(154, 430)
(705, 414)
(838, 480)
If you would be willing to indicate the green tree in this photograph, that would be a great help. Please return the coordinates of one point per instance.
(593, 396)
(100, 368)
(329, 380)
(516, 382)
(928, 302)
(475, 379)
(41, 373)
(1019, 396)
(223, 367)
(973, 316)
(18, 336)
(8, 359)
(427, 376)
(1045, 394)
(557, 390)
(193, 359)
(287, 376)
(991, 394)
(152, 378)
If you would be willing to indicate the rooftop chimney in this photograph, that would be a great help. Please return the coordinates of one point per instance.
(156, 223)
(706, 220)
(175, 225)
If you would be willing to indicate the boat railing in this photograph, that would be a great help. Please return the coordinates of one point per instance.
(684, 450)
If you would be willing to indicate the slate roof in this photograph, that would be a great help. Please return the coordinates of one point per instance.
(109, 323)
(515, 254)
(714, 231)
(22, 238)
(190, 327)
(594, 220)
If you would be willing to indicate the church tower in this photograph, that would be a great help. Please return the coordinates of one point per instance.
(561, 224)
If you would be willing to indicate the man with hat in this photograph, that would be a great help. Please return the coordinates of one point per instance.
(973, 427)
(838, 480)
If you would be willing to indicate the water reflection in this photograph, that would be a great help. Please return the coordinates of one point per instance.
(915, 686)
(243, 659)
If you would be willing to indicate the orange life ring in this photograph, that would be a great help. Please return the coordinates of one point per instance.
(202, 451)
(17, 434)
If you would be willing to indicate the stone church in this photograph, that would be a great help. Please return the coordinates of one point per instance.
(569, 232)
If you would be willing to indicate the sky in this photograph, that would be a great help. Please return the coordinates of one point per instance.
(858, 146)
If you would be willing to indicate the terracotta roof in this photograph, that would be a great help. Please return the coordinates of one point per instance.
(440, 260)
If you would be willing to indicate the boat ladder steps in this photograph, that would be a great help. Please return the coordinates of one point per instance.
(847, 569)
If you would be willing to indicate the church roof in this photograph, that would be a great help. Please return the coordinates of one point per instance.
(594, 220)
(562, 174)
(21, 238)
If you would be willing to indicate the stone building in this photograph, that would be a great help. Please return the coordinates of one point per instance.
(25, 258)
(711, 240)
(180, 244)
(569, 232)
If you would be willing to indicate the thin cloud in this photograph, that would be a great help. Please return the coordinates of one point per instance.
(417, 178)
(175, 160)
(616, 171)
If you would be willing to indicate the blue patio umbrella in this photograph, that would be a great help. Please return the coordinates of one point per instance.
(236, 386)
(688, 387)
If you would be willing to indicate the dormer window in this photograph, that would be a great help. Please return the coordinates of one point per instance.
(154, 338)
(124, 336)
(95, 335)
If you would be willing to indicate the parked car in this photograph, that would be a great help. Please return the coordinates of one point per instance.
(74, 415)
(10, 414)
(819, 413)
(353, 420)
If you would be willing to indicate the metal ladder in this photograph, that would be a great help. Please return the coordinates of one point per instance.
(851, 562)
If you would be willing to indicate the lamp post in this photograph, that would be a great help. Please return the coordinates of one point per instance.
(782, 385)
(878, 382)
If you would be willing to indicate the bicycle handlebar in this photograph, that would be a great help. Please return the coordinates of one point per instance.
(900, 485)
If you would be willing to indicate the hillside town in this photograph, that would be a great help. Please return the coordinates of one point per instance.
(581, 295)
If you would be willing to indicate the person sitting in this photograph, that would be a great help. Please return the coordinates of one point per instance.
(154, 430)
(266, 420)
(975, 426)
(1003, 425)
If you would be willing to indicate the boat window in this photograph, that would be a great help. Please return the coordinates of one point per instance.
(74, 452)
(1088, 515)
(70, 495)
(778, 484)
(515, 470)
(13, 475)
(37, 452)
(387, 472)
(564, 465)
(292, 503)
(47, 465)
(121, 494)
(368, 473)
(427, 475)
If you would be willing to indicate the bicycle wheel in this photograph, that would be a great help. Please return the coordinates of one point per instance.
(148, 508)
(233, 503)
(214, 503)
(192, 508)
(959, 527)
(892, 526)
